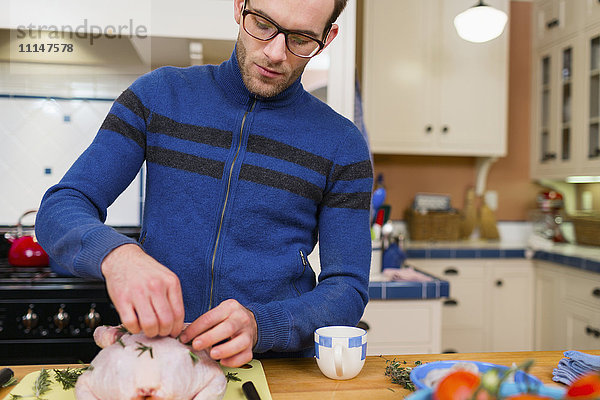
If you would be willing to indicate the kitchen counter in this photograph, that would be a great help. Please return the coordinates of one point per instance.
(581, 257)
(300, 379)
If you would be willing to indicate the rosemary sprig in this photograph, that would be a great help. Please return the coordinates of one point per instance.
(400, 373)
(143, 348)
(232, 376)
(40, 386)
(68, 377)
(120, 342)
(194, 357)
(122, 329)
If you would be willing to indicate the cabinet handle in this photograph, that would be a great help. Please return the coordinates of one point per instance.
(596, 291)
(592, 332)
(445, 129)
(596, 152)
(499, 283)
(452, 351)
(549, 156)
(429, 128)
(450, 302)
(552, 23)
(450, 271)
(363, 325)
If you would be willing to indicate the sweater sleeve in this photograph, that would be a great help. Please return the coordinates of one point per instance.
(345, 255)
(70, 221)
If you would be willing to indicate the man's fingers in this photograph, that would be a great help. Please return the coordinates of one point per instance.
(238, 360)
(231, 348)
(175, 299)
(203, 323)
(129, 318)
(214, 335)
(164, 315)
(146, 317)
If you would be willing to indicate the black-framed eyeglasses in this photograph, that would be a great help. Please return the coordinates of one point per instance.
(262, 28)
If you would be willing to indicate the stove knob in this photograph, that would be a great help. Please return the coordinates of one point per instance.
(30, 320)
(92, 319)
(61, 319)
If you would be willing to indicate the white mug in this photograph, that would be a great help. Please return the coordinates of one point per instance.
(340, 351)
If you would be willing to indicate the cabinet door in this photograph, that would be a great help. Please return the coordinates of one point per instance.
(511, 310)
(591, 131)
(548, 305)
(582, 327)
(558, 91)
(556, 19)
(473, 87)
(400, 110)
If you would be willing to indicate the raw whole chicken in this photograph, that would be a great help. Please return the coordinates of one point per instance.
(135, 367)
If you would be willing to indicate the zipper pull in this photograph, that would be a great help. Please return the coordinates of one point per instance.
(303, 258)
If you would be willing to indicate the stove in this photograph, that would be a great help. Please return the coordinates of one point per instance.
(46, 318)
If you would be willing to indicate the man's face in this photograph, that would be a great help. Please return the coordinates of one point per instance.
(268, 67)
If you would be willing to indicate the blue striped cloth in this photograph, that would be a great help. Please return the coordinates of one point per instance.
(574, 365)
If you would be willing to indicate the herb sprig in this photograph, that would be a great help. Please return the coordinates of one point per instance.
(142, 348)
(232, 376)
(68, 377)
(399, 372)
(40, 386)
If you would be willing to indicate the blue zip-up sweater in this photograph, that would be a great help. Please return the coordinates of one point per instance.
(238, 189)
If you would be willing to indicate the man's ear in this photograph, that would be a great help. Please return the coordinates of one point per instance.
(237, 10)
(332, 34)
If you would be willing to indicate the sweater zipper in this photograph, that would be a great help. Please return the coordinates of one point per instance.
(214, 255)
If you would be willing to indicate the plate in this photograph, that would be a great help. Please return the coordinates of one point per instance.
(418, 374)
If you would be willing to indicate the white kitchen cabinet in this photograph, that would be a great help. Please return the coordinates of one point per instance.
(568, 318)
(556, 19)
(566, 90)
(511, 307)
(490, 307)
(426, 90)
(558, 89)
(403, 326)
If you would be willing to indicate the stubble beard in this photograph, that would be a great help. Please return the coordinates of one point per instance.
(255, 83)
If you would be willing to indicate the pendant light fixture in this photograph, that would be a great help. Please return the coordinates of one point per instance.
(480, 23)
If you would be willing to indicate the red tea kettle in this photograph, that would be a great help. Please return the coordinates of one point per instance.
(25, 251)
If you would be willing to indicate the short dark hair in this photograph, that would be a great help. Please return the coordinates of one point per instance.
(338, 7)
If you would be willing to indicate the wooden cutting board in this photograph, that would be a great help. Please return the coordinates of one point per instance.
(253, 371)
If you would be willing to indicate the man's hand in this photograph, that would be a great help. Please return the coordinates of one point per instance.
(228, 321)
(147, 294)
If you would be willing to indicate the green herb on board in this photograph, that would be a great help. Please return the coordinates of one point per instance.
(120, 342)
(232, 376)
(68, 377)
(40, 386)
(399, 372)
(142, 348)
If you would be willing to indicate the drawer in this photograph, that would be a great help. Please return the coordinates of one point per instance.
(465, 306)
(402, 322)
(450, 270)
(583, 289)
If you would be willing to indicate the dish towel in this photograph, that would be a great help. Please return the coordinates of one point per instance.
(574, 365)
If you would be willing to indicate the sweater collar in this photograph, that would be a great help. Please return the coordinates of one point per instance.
(229, 77)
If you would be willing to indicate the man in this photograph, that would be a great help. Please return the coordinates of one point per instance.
(244, 169)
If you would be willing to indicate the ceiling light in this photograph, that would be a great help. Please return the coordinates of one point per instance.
(480, 23)
(583, 179)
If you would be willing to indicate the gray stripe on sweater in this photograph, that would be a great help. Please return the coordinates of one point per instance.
(184, 161)
(200, 134)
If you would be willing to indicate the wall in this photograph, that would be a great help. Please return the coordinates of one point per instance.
(509, 177)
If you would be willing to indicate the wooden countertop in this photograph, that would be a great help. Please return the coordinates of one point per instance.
(300, 379)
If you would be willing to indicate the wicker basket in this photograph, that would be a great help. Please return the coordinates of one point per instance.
(587, 229)
(434, 225)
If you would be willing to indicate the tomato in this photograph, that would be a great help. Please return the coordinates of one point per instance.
(457, 385)
(585, 387)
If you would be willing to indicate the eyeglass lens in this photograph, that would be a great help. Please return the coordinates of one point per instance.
(263, 29)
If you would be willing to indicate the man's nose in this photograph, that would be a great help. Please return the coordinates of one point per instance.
(276, 49)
